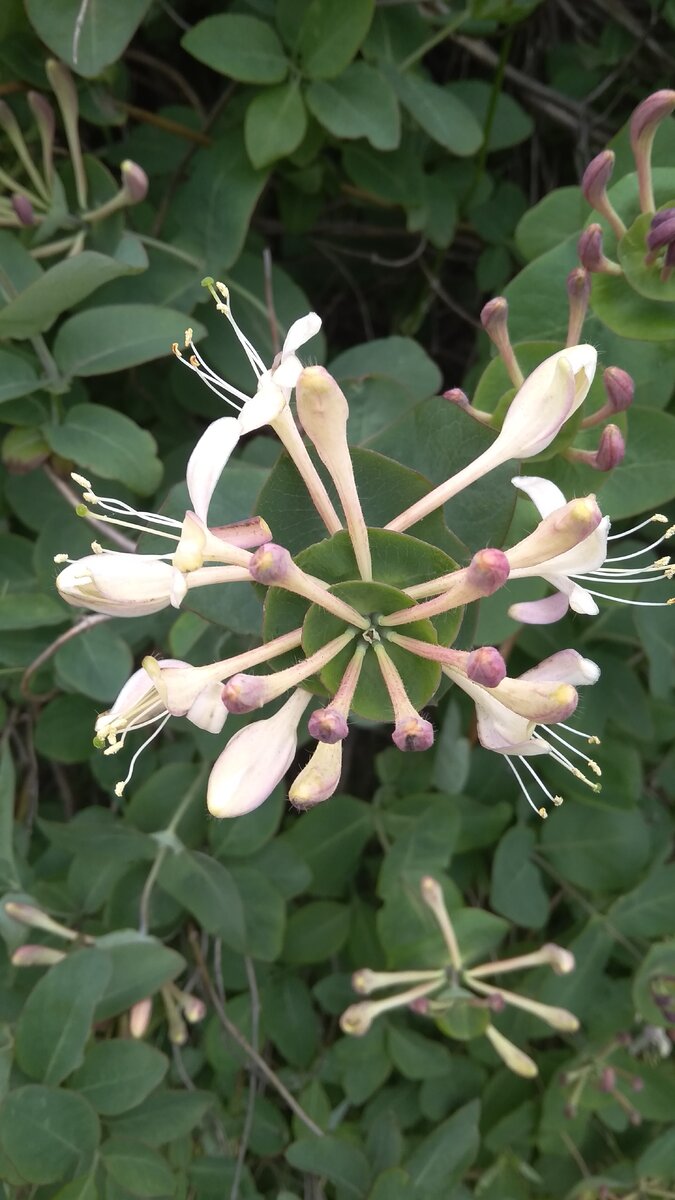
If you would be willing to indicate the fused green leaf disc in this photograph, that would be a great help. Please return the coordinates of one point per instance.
(399, 561)
(632, 250)
(420, 676)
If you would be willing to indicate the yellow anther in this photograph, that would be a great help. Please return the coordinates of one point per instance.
(175, 349)
(189, 333)
(557, 800)
(594, 740)
(60, 558)
(593, 766)
(659, 517)
(543, 813)
(80, 479)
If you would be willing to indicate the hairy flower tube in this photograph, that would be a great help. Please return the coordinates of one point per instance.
(362, 622)
(456, 996)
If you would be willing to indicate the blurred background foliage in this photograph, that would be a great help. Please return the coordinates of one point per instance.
(391, 165)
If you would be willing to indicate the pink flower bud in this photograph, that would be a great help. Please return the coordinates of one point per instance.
(620, 388)
(270, 564)
(486, 666)
(243, 693)
(637, 1083)
(488, 571)
(589, 248)
(596, 177)
(413, 733)
(23, 209)
(496, 1002)
(494, 316)
(194, 1009)
(578, 285)
(36, 956)
(458, 397)
(648, 115)
(661, 230)
(607, 1081)
(327, 725)
(611, 450)
(139, 1017)
(420, 1006)
(135, 181)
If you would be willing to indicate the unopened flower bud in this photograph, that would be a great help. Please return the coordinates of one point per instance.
(319, 778)
(37, 956)
(619, 387)
(607, 1081)
(488, 571)
(643, 125)
(494, 318)
(596, 177)
(578, 294)
(134, 180)
(486, 666)
(139, 1017)
(243, 693)
(420, 1005)
(35, 918)
(611, 449)
(496, 1002)
(327, 725)
(23, 209)
(458, 397)
(270, 563)
(194, 1009)
(413, 733)
(357, 1019)
(637, 1083)
(591, 254)
(560, 960)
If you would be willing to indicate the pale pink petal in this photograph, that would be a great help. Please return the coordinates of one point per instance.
(546, 495)
(566, 666)
(263, 408)
(207, 461)
(300, 332)
(540, 612)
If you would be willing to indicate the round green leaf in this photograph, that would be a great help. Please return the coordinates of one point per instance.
(241, 47)
(330, 33)
(316, 931)
(113, 337)
(105, 441)
(445, 118)
(275, 124)
(105, 30)
(18, 376)
(421, 677)
(464, 1022)
(140, 966)
(48, 1134)
(95, 664)
(118, 1074)
(653, 990)
(65, 729)
(359, 103)
(56, 1019)
(645, 279)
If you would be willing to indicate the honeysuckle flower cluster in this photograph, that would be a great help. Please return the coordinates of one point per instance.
(659, 231)
(359, 645)
(454, 990)
(31, 195)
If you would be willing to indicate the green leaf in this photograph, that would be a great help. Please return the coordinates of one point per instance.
(658, 1160)
(137, 1168)
(395, 177)
(264, 912)
(164, 1117)
(341, 1162)
(65, 726)
(395, 1184)
(443, 1157)
(97, 664)
(330, 839)
(330, 35)
(113, 337)
(291, 1022)
(358, 103)
(23, 610)
(653, 993)
(445, 118)
(645, 279)
(382, 380)
(415, 1056)
(110, 444)
(61, 287)
(207, 890)
(223, 188)
(645, 478)
(118, 1074)
(558, 216)
(104, 30)
(315, 932)
(516, 889)
(241, 47)
(48, 1134)
(275, 124)
(18, 376)
(647, 911)
(510, 124)
(57, 1017)
(141, 965)
(595, 846)
(424, 849)
(363, 1063)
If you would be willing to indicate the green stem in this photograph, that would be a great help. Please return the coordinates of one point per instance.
(163, 850)
(438, 37)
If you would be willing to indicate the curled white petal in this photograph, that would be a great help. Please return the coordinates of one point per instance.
(208, 459)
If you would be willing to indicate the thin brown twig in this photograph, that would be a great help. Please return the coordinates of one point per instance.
(269, 299)
(252, 1085)
(44, 656)
(149, 60)
(243, 1042)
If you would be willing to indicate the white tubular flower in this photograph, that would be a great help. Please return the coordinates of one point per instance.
(255, 760)
(587, 562)
(509, 716)
(121, 585)
(538, 411)
(319, 778)
(273, 390)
